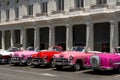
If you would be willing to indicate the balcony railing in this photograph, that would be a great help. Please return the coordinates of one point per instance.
(7, 20)
(16, 19)
(27, 16)
(58, 12)
(99, 6)
(41, 14)
(77, 9)
(118, 3)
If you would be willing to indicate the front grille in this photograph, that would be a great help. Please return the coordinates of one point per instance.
(62, 60)
(37, 60)
(15, 59)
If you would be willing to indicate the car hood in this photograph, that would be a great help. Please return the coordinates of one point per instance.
(46, 53)
(5, 52)
(70, 53)
(108, 55)
(20, 53)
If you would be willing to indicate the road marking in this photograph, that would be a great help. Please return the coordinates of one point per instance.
(117, 76)
(42, 74)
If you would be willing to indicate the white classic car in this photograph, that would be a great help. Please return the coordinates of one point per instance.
(5, 55)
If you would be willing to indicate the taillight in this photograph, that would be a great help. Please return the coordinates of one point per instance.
(23, 55)
(110, 62)
(71, 58)
(45, 57)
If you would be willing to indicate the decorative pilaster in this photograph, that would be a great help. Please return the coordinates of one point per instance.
(12, 38)
(51, 36)
(69, 37)
(36, 37)
(23, 38)
(3, 39)
(113, 35)
(89, 36)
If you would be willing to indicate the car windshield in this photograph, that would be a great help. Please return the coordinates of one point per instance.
(117, 50)
(54, 49)
(77, 49)
(13, 49)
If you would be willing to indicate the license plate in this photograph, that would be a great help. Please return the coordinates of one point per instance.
(59, 63)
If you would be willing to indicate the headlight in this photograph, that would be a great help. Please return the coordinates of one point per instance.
(23, 55)
(45, 57)
(10, 55)
(110, 61)
(53, 57)
(71, 58)
(0, 55)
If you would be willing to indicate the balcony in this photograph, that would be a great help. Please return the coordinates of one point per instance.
(16, 19)
(7, 20)
(41, 14)
(96, 6)
(118, 3)
(99, 8)
(27, 16)
(77, 9)
(58, 12)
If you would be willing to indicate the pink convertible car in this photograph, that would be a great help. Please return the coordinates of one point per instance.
(22, 57)
(73, 59)
(104, 61)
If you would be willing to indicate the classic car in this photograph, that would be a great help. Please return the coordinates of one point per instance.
(22, 57)
(73, 59)
(45, 57)
(5, 55)
(104, 61)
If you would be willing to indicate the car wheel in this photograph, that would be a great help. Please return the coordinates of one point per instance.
(8, 61)
(77, 66)
(119, 69)
(59, 67)
(29, 61)
(16, 64)
(96, 70)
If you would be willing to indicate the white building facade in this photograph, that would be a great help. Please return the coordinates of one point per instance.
(45, 23)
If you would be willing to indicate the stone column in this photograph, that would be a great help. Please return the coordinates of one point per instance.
(69, 37)
(36, 37)
(3, 39)
(51, 36)
(113, 35)
(12, 38)
(89, 35)
(23, 38)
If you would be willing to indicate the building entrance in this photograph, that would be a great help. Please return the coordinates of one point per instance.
(60, 36)
(44, 38)
(102, 37)
(79, 35)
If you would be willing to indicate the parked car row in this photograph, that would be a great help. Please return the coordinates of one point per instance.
(77, 58)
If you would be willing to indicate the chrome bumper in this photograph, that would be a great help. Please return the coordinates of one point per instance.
(38, 61)
(63, 62)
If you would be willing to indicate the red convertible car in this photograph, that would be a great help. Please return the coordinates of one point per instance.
(45, 57)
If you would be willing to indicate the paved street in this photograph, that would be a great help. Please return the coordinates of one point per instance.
(8, 72)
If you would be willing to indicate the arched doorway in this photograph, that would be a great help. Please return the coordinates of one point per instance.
(7, 39)
(44, 38)
(119, 33)
(29, 37)
(79, 35)
(0, 40)
(17, 38)
(60, 36)
(102, 37)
